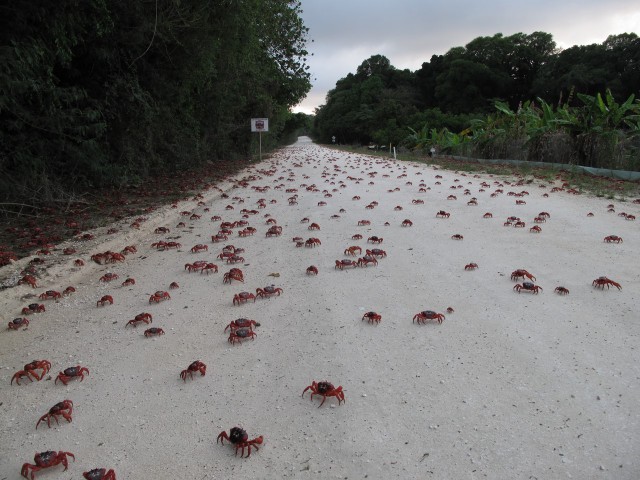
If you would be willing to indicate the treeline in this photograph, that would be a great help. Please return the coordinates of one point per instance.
(499, 97)
(104, 93)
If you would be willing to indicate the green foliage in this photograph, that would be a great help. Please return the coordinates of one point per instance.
(494, 98)
(96, 93)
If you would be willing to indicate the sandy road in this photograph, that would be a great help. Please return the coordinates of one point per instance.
(509, 386)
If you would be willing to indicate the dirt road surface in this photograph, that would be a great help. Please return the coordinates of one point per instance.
(510, 385)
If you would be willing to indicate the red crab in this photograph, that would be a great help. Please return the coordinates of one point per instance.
(50, 294)
(242, 297)
(150, 332)
(208, 268)
(562, 290)
(417, 201)
(353, 250)
(29, 371)
(104, 300)
(195, 266)
(45, 460)
(602, 281)
(366, 260)
(159, 296)
(312, 242)
(342, 264)
(535, 229)
(268, 291)
(325, 389)
(312, 270)
(69, 251)
(488, 215)
(527, 287)
(68, 291)
(314, 226)
(129, 249)
(357, 236)
(374, 239)
(471, 266)
(233, 274)
(426, 315)
(516, 274)
(107, 277)
(16, 323)
(196, 366)
(100, 474)
(79, 262)
(238, 437)
(407, 223)
(200, 247)
(174, 285)
(162, 230)
(450, 310)
(372, 317)
(128, 282)
(64, 408)
(238, 334)
(457, 236)
(362, 223)
(442, 214)
(613, 238)
(72, 372)
(376, 252)
(30, 279)
(241, 323)
(141, 317)
(33, 308)
(274, 231)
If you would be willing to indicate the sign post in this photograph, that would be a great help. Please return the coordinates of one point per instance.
(260, 125)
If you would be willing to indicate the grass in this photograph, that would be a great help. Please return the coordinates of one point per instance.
(610, 188)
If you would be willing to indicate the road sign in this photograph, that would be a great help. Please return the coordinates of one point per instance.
(259, 124)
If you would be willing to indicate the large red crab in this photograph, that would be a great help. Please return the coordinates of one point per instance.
(372, 317)
(196, 366)
(100, 474)
(71, 373)
(516, 274)
(342, 264)
(527, 287)
(29, 371)
(200, 247)
(159, 296)
(312, 242)
(239, 334)
(30, 279)
(64, 408)
(426, 315)
(353, 250)
(50, 294)
(233, 274)
(141, 317)
(45, 460)
(366, 260)
(376, 252)
(104, 300)
(602, 281)
(613, 238)
(268, 291)
(325, 389)
(33, 308)
(238, 437)
(242, 323)
(312, 270)
(243, 297)
(375, 239)
(16, 323)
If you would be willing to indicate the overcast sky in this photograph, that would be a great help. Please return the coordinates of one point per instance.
(409, 32)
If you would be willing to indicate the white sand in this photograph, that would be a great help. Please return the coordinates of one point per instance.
(509, 386)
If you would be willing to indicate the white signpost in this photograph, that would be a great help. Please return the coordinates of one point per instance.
(260, 125)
